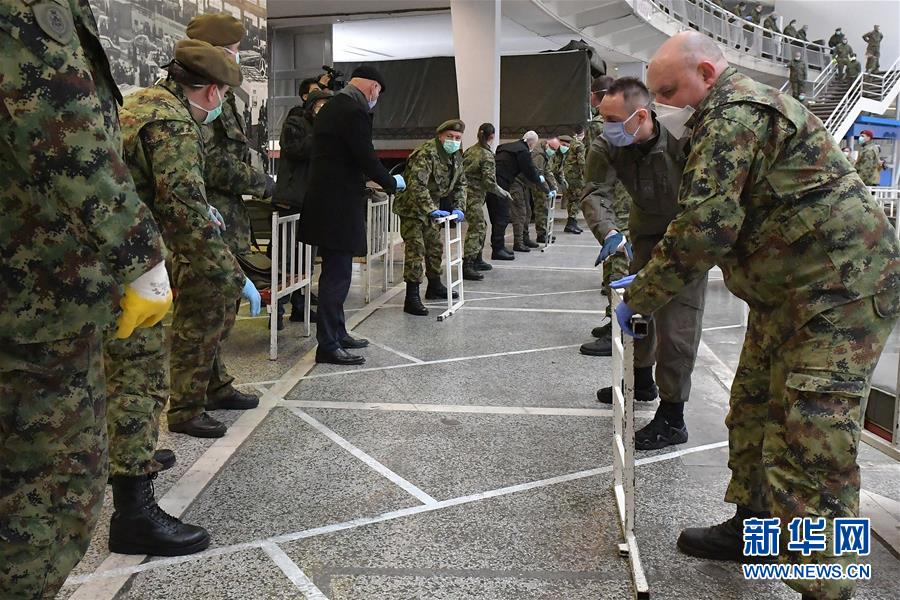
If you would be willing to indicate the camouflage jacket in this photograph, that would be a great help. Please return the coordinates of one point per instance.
(868, 164)
(649, 172)
(769, 197)
(164, 150)
(843, 51)
(543, 164)
(797, 70)
(557, 162)
(594, 130)
(229, 175)
(73, 230)
(481, 172)
(431, 175)
(873, 42)
(573, 165)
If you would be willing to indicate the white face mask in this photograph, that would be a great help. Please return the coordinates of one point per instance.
(674, 118)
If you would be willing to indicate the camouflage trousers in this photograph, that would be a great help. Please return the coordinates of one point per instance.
(202, 316)
(572, 198)
(52, 460)
(541, 208)
(872, 62)
(795, 420)
(796, 88)
(614, 267)
(422, 243)
(137, 379)
(519, 210)
(476, 228)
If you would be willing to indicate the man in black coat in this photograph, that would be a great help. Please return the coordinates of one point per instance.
(333, 216)
(512, 158)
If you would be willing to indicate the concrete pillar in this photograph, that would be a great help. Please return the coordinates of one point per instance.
(476, 45)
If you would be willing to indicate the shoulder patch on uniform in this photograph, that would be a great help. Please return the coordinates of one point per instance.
(55, 20)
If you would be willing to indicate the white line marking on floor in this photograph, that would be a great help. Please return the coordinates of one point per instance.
(437, 362)
(537, 268)
(363, 521)
(387, 348)
(739, 325)
(459, 408)
(573, 311)
(594, 246)
(587, 291)
(269, 382)
(189, 486)
(293, 572)
(366, 458)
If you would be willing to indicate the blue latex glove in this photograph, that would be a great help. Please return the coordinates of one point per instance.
(611, 246)
(619, 284)
(623, 316)
(460, 215)
(249, 292)
(437, 214)
(401, 183)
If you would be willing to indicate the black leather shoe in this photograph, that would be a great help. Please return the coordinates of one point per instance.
(599, 347)
(602, 331)
(298, 317)
(140, 526)
(338, 357)
(165, 457)
(352, 343)
(724, 541)
(481, 265)
(502, 254)
(235, 400)
(658, 434)
(201, 426)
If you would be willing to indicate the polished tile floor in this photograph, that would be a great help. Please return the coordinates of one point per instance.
(467, 459)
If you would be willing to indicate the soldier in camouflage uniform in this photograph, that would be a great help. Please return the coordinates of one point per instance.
(873, 49)
(842, 54)
(769, 197)
(797, 75)
(163, 150)
(524, 193)
(434, 173)
(228, 176)
(74, 233)
(868, 163)
(616, 265)
(573, 170)
(481, 179)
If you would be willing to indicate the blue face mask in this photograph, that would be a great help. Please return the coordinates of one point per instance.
(616, 134)
(563, 149)
(372, 104)
(451, 146)
(550, 151)
(211, 114)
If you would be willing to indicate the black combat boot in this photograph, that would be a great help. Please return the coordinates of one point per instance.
(413, 303)
(140, 526)
(572, 226)
(645, 389)
(527, 240)
(471, 272)
(599, 347)
(602, 330)
(519, 245)
(232, 399)
(541, 238)
(502, 254)
(724, 541)
(437, 290)
(481, 264)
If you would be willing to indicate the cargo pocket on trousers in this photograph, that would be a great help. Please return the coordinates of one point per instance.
(822, 421)
(887, 303)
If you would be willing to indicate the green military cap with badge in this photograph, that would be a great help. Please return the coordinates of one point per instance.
(206, 61)
(452, 125)
(219, 29)
(566, 138)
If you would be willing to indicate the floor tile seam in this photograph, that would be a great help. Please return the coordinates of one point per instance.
(444, 572)
(363, 521)
(439, 361)
(366, 458)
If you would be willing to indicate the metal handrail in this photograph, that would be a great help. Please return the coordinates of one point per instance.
(824, 79)
(853, 95)
(765, 44)
(876, 86)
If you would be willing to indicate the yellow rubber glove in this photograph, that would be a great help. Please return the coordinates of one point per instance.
(146, 301)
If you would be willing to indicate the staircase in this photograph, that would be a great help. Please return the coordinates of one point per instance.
(824, 105)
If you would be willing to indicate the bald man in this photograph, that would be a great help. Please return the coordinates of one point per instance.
(768, 196)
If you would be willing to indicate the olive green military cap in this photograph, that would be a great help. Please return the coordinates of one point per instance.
(452, 125)
(207, 61)
(566, 138)
(219, 29)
